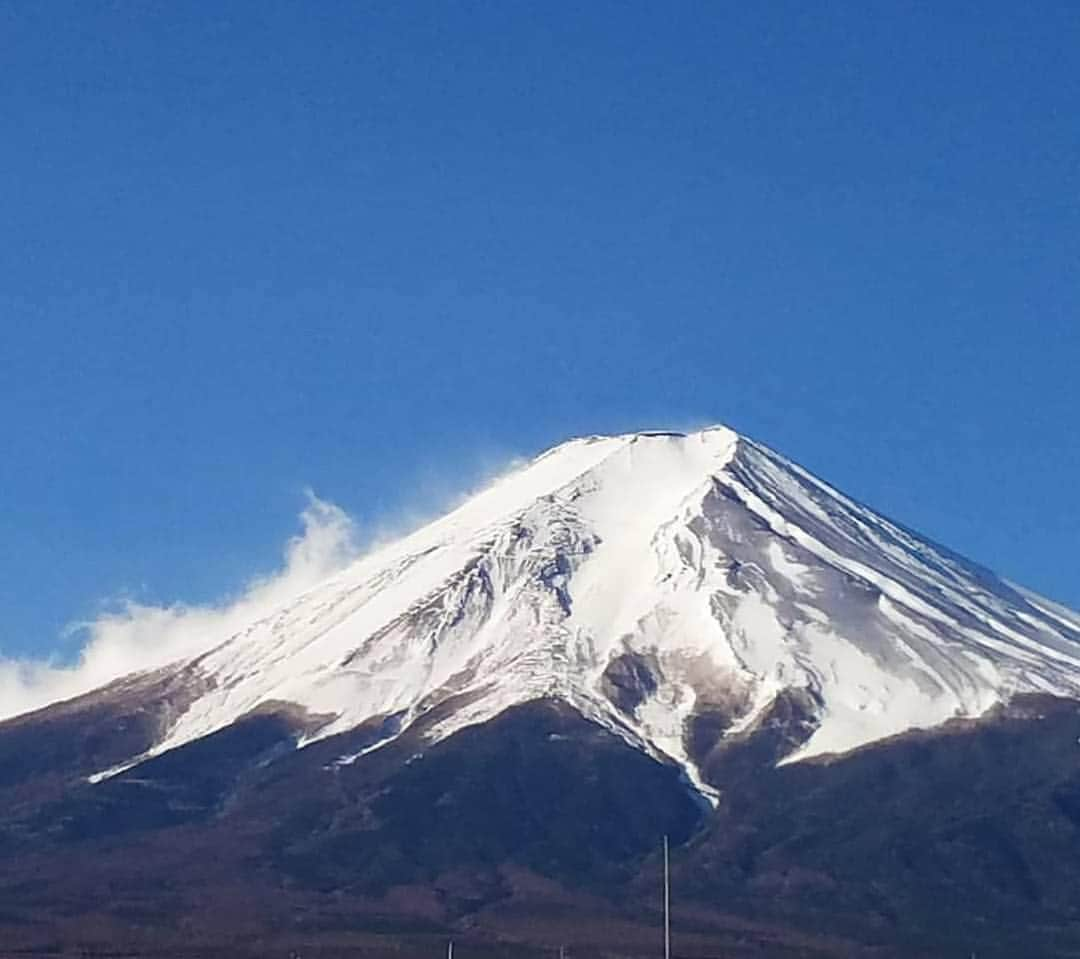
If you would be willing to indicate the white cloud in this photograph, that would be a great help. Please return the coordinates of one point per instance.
(139, 637)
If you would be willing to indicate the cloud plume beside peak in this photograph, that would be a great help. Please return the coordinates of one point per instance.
(139, 637)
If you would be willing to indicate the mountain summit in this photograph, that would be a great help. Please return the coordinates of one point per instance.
(858, 742)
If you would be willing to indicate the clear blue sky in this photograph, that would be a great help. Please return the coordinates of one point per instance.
(375, 248)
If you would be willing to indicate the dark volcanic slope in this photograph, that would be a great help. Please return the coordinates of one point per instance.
(442, 831)
(44, 752)
(543, 827)
(539, 787)
(962, 837)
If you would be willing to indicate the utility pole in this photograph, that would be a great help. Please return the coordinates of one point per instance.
(667, 902)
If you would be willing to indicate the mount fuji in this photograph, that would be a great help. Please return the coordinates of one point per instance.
(488, 723)
(648, 580)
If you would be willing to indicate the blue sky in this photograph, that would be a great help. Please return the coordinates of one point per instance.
(378, 249)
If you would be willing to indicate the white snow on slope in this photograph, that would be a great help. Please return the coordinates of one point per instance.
(724, 571)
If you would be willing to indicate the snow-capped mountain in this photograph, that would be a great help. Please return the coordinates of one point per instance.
(857, 742)
(647, 580)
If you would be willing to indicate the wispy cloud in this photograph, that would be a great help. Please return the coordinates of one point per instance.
(138, 637)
